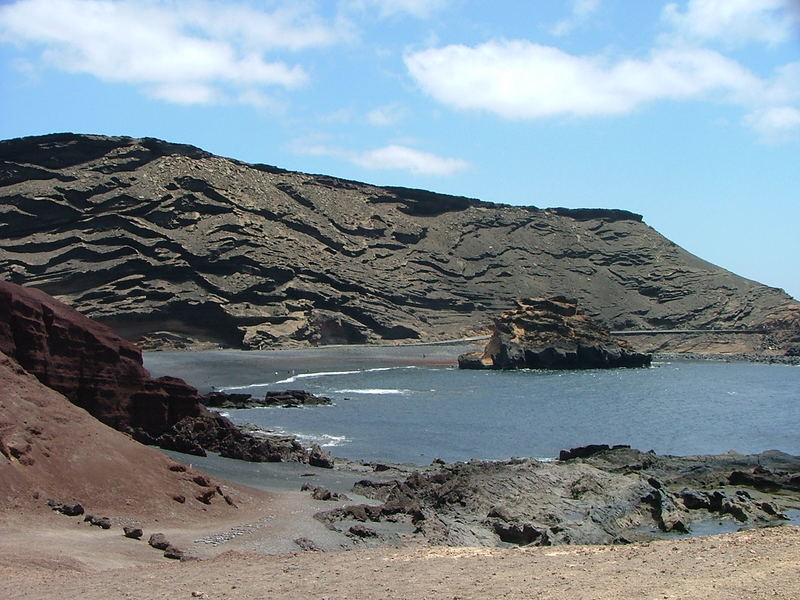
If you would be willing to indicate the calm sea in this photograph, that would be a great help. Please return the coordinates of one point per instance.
(409, 405)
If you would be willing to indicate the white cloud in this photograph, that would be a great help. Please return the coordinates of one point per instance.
(775, 124)
(386, 115)
(187, 52)
(393, 157)
(581, 10)
(421, 9)
(403, 158)
(735, 22)
(522, 80)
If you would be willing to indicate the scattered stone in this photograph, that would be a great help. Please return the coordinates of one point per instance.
(134, 533)
(201, 480)
(321, 493)
(307, 545)
(206, 496)
(178, 468)
(174, 553)
(158, 541)
(180, 498)
(102, 522)
(362, 531)
(71, 510)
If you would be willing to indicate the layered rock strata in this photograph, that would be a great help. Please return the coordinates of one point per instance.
(551, 333)
(173, 246)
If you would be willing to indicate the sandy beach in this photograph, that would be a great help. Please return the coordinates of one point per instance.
(51, 560)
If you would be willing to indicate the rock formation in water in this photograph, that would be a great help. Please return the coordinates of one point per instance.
(102, 373)
(551, 333)
(173, 246)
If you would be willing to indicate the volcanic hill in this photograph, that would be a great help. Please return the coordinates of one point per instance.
(170, 246)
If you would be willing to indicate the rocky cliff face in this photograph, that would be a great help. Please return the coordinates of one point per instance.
(172, 245)
(551, 333)
(89, 364)
(102, 373)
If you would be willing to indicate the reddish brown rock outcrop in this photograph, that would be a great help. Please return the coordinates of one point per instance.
(51, 449)
(103, 373)
(89, 364)
(551, 333)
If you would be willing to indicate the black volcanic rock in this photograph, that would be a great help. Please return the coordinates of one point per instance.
(551, 333)
(285, 399)
(172, 246)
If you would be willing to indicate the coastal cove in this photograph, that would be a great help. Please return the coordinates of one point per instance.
(409, 404)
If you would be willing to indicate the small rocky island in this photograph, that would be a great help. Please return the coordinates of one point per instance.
(551, 333)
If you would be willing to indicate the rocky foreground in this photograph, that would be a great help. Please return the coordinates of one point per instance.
(592, 495)
(172, 246)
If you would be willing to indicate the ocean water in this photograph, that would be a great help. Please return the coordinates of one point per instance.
(411, 405)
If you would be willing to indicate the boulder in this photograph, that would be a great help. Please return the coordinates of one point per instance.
(158, 541)
(551, 333)
(134, 533)
(320, 458)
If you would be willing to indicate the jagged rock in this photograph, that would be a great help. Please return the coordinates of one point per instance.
(320, 458)
(286, 399)
(226, 400)
(612, 495)
(134, 533)
(551, 333)
(294, 398)
(321, 493)
(587, 451)
(191, 239)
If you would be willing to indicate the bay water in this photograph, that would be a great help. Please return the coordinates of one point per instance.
(410, 404)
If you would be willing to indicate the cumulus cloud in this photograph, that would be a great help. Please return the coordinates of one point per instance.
(735, 22)
(523, 80)
(403, 158)
(581, 10)
(393, 157)
(187, 52)
(775, 124)
(421, 9)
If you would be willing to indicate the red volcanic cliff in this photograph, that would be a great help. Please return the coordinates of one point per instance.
(103, 373)
(89, 364)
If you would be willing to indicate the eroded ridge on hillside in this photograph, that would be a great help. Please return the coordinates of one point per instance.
(171, 245)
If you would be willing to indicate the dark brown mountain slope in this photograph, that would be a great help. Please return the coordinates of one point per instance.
(169, 243)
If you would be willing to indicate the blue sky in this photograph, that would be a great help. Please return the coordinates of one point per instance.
(687, 112)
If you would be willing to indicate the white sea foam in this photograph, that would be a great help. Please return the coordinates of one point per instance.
(377, 391)
(295, 378)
